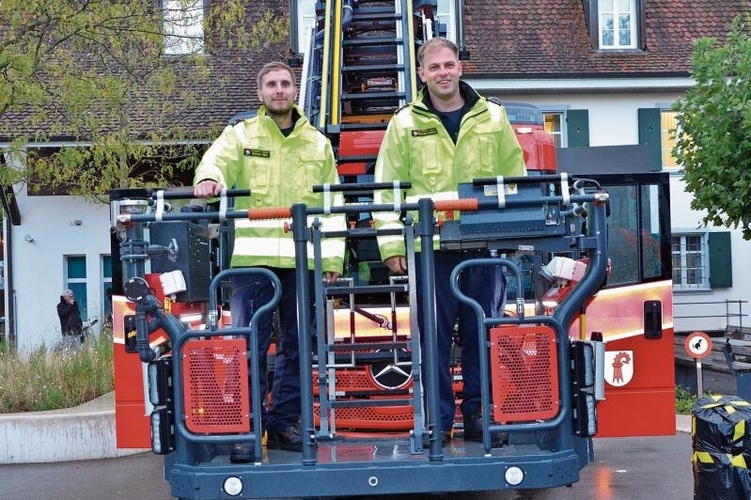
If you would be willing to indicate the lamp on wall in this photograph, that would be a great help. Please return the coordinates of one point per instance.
(28, 238)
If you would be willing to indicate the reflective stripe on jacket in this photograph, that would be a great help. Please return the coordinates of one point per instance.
(279, 171)
(418, 149)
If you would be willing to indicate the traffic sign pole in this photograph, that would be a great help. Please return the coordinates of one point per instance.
(698, 345)
(699, 379)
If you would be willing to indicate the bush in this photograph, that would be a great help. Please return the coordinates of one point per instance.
(53, 379)
(684, 400)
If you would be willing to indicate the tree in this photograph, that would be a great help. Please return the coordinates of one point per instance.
(119, 81)
(713, 135)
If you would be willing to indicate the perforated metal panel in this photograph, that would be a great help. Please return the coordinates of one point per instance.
(216, 386)
(358, 380)
(524, 369)
(368, 418)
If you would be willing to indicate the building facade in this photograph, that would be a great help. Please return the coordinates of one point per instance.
(604, 73)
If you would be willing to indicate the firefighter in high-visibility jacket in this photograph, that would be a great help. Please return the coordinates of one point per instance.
(279, 156)
(449, 134)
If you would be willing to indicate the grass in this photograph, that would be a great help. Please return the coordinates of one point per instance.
(49, 379)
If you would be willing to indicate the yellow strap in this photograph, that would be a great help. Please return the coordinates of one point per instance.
(705, 457)
(740, 431)
(738, 461)
(719, 400)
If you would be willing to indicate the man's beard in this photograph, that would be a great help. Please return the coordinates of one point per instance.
(279, 112)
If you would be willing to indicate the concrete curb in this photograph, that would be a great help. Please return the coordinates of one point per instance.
(86, 432)
(683, 423)
(81, 433)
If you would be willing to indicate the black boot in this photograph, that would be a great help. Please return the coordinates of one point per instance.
(289, 439)
(242, 453)
(473, 431)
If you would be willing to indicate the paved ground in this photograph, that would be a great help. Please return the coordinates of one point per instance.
(624, 469)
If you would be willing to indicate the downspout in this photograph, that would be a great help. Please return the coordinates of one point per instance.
(293, 41)
(463, 52)
(10, 316)
(11, 218)
(294, 59)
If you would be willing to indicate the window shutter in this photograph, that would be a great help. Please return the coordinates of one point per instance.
(591, 18)
(577, 128)
(641, 12)
(650, 135)
(720, 260)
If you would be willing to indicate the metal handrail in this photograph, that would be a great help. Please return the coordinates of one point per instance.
(727, 315)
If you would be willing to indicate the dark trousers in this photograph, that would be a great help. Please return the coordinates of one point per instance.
(479, 283)
(249, 292)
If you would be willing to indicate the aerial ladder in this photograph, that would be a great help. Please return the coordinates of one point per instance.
(360, 68)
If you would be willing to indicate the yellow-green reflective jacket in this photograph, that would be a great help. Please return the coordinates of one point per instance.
(418, 149)
(279, 171)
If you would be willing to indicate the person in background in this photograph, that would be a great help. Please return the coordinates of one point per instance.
(70, 318)
(278, 155)
(448, 135)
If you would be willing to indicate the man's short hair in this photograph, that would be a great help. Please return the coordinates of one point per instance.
(436, 43)
(67, 292)
(273, 66)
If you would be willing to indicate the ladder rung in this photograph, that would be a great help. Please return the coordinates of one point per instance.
(375, 16)
(375, 392)
(369, 346)
(376, 95)
(374, 67)
(364, 126)
(358, 403)
(344, 359)
(356, 122)
(373, 40)
(373, 10)
(375, 13)
(357, 159)
(363, 289)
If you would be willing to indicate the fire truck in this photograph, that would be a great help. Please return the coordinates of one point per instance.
(584, 347)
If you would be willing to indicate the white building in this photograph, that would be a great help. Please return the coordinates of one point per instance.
(559, 56)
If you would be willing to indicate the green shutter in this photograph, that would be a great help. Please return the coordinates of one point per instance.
(650, 135)
(720, 260)
(577, 128)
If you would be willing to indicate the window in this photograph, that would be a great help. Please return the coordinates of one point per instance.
(667, 131)
(690, 262)
(636, 229)
(106, 286)
(553, 126)
(617, 26)
(183, 26)
(75, 279)
(306, 18)
(445, 17)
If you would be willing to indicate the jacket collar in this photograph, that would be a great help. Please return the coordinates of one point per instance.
(469, 94)
(297, 115)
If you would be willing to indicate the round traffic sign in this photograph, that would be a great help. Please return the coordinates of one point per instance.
(698, 345)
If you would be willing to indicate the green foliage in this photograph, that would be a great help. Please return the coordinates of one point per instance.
(713, 137)
(684, 400)
(104, 73)
(51, 379)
